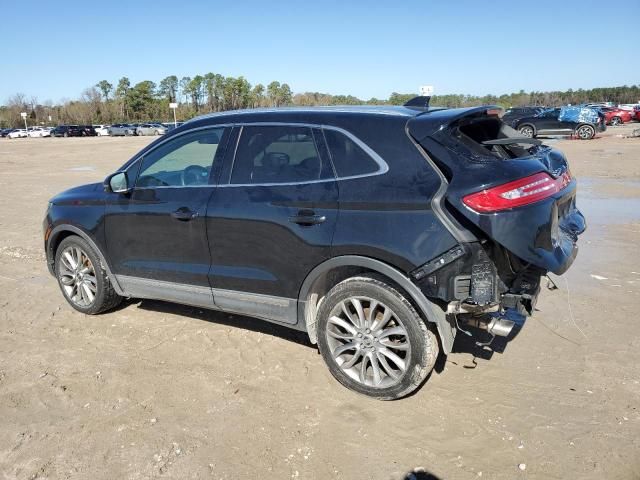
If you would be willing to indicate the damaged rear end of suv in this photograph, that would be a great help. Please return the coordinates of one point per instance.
(510, 202)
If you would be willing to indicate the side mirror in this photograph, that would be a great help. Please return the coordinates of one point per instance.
(117, 183)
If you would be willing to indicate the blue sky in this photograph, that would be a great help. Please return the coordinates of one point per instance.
(55, 49)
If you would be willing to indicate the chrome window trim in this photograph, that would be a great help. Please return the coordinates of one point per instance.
(383, 167)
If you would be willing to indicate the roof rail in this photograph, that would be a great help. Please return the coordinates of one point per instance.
(421, 102)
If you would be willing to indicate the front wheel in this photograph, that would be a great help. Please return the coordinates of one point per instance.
(586, 132)
(526, 131)
(616, 121)
(373, 340)
(82, 279)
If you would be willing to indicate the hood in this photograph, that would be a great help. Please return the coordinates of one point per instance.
(89, 194)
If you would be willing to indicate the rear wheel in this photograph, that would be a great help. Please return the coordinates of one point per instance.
(373, 340)
(527, 131)
(585, 132)
(65, 134)
(83, 281)
(616, 121)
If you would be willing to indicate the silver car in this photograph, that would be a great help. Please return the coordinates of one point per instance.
(150, 129)
(120, 129)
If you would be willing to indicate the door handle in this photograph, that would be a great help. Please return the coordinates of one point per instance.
(306, 218)
(184, 214)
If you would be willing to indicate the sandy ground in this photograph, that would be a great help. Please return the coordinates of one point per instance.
(158, 390)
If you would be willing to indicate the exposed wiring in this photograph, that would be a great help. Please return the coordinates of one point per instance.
(467, 332)
(566, 282)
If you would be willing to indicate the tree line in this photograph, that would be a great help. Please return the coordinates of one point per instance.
(107, 102)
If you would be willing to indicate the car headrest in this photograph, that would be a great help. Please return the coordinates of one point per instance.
(275, 160)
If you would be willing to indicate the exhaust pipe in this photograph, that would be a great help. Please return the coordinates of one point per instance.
(493, 324)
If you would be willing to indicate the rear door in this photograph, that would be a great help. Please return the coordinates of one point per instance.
(272, 220)
(156, 235)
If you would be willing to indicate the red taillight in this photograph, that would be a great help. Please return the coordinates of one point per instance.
(517, 193)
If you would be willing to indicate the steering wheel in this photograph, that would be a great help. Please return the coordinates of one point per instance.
(194, 175)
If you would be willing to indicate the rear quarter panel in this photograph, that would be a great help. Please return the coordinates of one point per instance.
(389, 216)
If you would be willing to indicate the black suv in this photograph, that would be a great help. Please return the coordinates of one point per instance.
(516, 113)
(87, 131)
(378, 231)
(67, 131)
(549, 123)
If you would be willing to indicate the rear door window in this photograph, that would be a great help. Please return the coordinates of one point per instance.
(349, 159)
(278, 154)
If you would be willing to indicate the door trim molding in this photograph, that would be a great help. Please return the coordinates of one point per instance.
(266, 307)
(140, 287)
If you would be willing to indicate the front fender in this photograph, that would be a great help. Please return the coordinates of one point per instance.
(64, 230)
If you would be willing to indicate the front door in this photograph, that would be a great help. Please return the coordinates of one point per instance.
(156, 235)
(549, 123)
(272, 221)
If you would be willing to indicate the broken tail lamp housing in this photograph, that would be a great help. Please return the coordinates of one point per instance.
(520, 192)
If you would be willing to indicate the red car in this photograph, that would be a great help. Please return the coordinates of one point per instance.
(616, 116)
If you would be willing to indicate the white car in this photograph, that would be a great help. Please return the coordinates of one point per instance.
(20, 133)
(101, 130)
(38, 132)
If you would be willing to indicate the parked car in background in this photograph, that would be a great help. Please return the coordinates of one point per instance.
(511, 115)
(636, 112)
(39, 132)
(377, 231)
(101, 130)
(66, 131)
(616, 116)
(87, 131)
(170, 125)
(6, 131)
(18, 133)
(628, 106)
(121, 129)
(150, 129)
(549, 123)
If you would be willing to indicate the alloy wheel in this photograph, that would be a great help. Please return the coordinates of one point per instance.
(585, 132)
(368, 342)
(77, 276)
(527, 132)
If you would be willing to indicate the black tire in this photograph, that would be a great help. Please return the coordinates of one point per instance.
(65, 134)
(585, 132)
(527, 131)
(419, 360)
(140, 133)
(616, 121)
(106, 297)
(126, 133)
